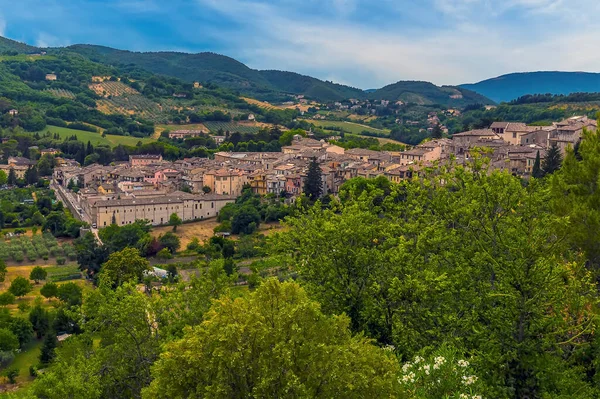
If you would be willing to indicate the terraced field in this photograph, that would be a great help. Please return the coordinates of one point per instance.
(129, 105)
(114, 89)
(61, 93)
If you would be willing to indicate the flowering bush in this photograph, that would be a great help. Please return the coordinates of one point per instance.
(443, 374)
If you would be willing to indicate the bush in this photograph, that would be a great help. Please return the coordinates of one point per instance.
(12, 374)
(61, 261)
(164, 254)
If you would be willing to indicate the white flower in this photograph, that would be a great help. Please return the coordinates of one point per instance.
(436, 366)
(463, 396)
(408, 377)
(476, 397)
(463, 363)
(426, 368)
(389, 348)
(418, 359)
(440, 360)
(405, 367)
(468, 380)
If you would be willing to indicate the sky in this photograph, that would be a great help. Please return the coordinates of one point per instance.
(362, 43)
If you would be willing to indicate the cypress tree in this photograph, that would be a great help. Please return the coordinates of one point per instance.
(12, 177)
(313, 185)
(48, 352)
(437, 132)
(552, 161)
(537, 167)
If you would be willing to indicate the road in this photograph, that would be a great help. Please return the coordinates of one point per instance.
(69, 200)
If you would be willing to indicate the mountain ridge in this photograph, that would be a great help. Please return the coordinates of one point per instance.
(511, 86)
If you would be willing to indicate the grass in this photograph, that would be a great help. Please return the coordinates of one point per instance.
(349, 127)
(26, 57)
(96, 138)
(25, 359)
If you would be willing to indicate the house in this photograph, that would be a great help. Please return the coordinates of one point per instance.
(158, 210)
(49, 151)
(197, 85)
(251, 117)
(51, 76)
(180, 134)
(13, 112)
(225, 182)
(463, 141)
(143, 160)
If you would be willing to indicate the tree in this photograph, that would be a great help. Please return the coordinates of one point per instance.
(8, 341)
(437, 132)
(123, 266)
(70, 293)
(6, 298)
(22, 329)
(169, 241)
(40, 320)
(245, 220)
(282, 330)
(313, 185)
(37, 274)
(55, 223)
(12, 177)
(90, 255)
(12, 374)
(552, 161)
(537, 168)
(3, 178)
(20, 286)
(49, 290)
(48, 351)
(46, 165)
(31, 175)
(174, 221)
(206, 190)
(3, 271)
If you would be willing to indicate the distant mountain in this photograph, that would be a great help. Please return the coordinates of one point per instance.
(427, 93)
(514, 85)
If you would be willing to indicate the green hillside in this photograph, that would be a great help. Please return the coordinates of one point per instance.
(223, 71)
(426, 93)
(12, 45)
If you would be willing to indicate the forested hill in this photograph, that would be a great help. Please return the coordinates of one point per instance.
(426, 93)
(224, 71)
(510, 87)
(8, 45)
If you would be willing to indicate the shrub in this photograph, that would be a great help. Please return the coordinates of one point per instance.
(164, 254)
(61, 261)
(12, 374)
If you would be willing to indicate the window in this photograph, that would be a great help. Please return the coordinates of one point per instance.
(514, 135)
(212, 204)
(105, 223)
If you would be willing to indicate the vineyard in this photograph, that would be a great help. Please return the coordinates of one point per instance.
(112, 89)
(38, 247)
(62, 93)
(232, 127)
(131, 104)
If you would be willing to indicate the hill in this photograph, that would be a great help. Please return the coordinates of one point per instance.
(8, 45)
(514, 85)
(223, 71)
(425, 93)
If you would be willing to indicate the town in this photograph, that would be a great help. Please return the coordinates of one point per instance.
(148, 187)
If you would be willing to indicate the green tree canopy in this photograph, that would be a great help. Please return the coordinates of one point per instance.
(313, 185)
(276, 328)
(20, 286)
(124, 266)
(37, 274)
(175, 221)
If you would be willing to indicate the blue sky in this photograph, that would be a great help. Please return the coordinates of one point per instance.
(363, 43)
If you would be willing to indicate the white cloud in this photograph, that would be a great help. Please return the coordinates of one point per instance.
(47, 40)
(2, 26)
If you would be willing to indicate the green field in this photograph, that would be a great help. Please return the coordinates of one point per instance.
(96, 138)
(348, 127)
(231, 127)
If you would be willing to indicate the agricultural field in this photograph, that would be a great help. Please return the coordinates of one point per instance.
(262, 104)
(134, 104)
(161, 128)
(62, 93)
(233, 127)
(348, 127)
(113, 89)
(38, 247)
(96, 138)
(26, 57)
